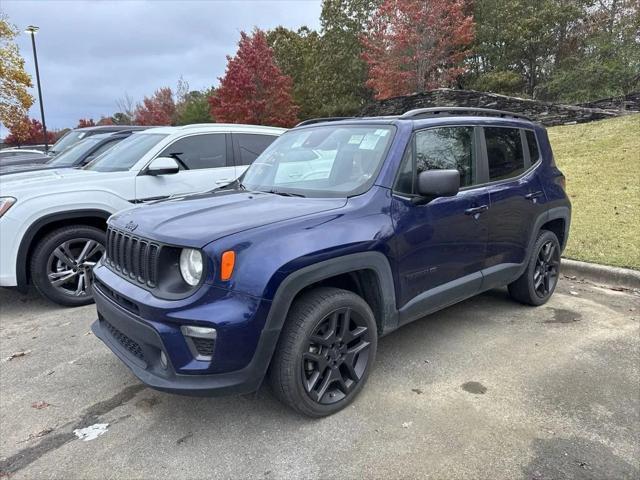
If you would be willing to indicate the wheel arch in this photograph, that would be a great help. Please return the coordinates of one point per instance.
(42, 226)
(367, 273)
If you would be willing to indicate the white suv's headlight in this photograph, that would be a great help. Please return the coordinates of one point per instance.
(5, 204)
(191, 266)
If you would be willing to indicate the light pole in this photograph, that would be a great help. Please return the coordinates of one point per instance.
(31, 30)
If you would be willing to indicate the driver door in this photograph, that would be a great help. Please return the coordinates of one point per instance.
(205, 163)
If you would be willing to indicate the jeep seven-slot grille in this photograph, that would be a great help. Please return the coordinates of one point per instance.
(132, 256)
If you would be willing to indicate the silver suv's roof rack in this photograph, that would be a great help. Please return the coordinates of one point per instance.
(311, 121)
(420, 112)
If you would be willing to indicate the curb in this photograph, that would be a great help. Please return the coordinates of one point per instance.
(613, 276)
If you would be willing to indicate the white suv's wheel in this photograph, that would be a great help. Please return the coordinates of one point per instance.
(62, 264)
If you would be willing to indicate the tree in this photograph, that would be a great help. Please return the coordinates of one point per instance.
(159, 109)
(15, 99)
(341, 66)
(105, 121)
(254, 90)
(86, 122)
(126, 109)
(28, 132)
(194, 108)
(296, 54)
(416, 45)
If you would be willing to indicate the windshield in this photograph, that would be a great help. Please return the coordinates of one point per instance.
(126, 153)
(67, 140)
(72, 155)
(323, 161)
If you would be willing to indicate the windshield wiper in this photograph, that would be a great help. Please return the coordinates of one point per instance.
(284, 194)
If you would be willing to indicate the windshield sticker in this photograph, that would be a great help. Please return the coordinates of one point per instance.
(301, 139)
(381, 132)
(370, 141)
(355, 139)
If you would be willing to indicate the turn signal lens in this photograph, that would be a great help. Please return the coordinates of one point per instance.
(226, 264)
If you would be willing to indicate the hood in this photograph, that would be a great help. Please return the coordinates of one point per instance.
(46, 182)
(197, 220)
(28, 167)
(27, 158)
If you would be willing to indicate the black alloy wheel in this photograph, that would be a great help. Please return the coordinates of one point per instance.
(540, 277)
(336, 356)
(325, 351)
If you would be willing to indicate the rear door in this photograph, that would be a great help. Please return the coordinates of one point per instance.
(516, 199)
(205, 163)
(247, 147)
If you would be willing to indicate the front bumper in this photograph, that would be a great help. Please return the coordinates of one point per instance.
(139, 345)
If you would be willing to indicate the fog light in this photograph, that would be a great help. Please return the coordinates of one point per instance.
(163, 360)
(200, 340)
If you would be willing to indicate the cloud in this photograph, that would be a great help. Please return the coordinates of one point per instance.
(91, 52)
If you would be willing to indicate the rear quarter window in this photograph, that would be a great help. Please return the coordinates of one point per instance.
(505, 152)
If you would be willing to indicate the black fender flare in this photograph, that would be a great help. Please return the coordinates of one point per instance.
(28, 237)
(555, 213)
(300, 279)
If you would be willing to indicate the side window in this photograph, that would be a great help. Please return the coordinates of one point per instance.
(251, 146)
(438, 149)
(534, 153)
(199, 151)
(504, 152)
(100, 150)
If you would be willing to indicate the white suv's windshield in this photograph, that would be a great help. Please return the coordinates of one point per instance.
(322, 161)
(126, 153)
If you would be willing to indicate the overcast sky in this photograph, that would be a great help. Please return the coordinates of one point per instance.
(91, 52)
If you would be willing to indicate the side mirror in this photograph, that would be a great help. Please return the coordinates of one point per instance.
(439, 183)
(163, 166)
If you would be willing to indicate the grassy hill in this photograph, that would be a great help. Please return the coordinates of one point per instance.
(601, 161)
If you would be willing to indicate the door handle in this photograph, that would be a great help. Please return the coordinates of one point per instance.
(224, 180)
(534, 195)
(476, 210)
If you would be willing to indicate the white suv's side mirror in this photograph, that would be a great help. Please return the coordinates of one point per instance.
(163, 166)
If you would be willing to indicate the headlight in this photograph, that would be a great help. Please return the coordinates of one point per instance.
(191, 266)
(5, 204)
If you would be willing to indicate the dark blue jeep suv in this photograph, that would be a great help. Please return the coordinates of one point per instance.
(339, 233)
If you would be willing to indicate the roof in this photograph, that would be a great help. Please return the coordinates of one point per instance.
(430, 116)
(110, 128)
(217, 127)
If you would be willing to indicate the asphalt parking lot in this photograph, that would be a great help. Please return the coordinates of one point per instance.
(484, 389)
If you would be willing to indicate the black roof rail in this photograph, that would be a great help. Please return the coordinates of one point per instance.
(311, 121)
(461, 110)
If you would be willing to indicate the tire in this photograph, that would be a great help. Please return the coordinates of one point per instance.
(343, 360)
(538, 282)
(57, 258)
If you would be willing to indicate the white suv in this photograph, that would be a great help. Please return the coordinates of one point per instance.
(52, 222)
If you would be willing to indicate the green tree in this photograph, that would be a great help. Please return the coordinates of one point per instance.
(344, 72)
(15, 99)
(605, 61)
(326, 67)
(295, 52)
(195, 108)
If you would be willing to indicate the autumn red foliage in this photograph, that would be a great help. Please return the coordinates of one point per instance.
(254, 90)
(105, 121)
(28, 132)
(159, 109)
(416, 45)
(86, 122)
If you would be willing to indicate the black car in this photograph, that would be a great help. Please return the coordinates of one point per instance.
(76, 156)
(74, 136)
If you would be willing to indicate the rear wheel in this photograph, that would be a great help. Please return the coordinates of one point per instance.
(62, 264)
(325, 352)
(538, 282)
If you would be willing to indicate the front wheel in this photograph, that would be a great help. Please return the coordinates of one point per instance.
(325, 352)
(538, 282)
(62, 264)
